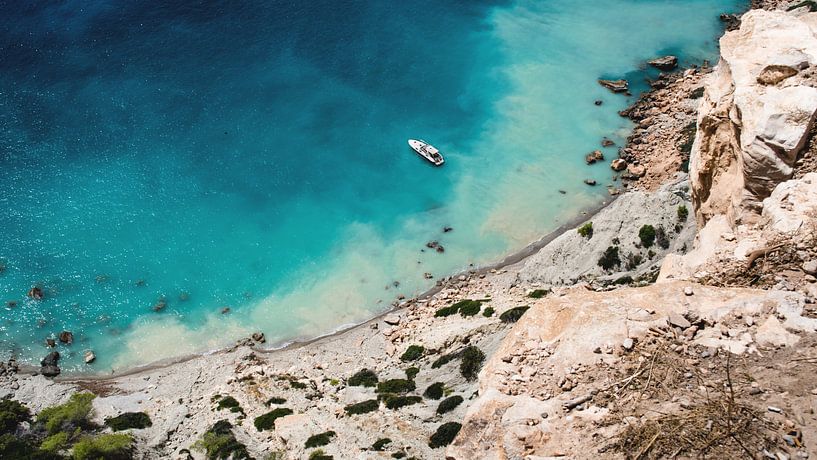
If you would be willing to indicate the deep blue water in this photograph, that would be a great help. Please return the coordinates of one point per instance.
(253, 155)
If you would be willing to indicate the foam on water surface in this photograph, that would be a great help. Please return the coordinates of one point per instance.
(254, 156)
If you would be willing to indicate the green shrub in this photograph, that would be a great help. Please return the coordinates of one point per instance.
(275, 400)
(317, 440)
(66, 417)
(538, 293)
(267, 421)
(434, 391)
(228, 402)
(586, 230)
(488, 312)
(443, 360)
(219, 443)
(395, 386)
(55, 442)
(449, 404)
(380, 444)
(412, 372)
(14, 447)
(647, 235)
(470, 308)
(129, 420)
(320, 455)
(413, 353)
(610, 258)
(451, 309)
(362, 407)
(398, 454)
(396, 402)
(297, 385)
(472, 358)
(626, 279)
(115, 446)
(683, 213)
(12, 413)
(363, 378)
(513, 315)
(444, 435)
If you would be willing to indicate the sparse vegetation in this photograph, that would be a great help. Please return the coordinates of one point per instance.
(129, 420)
(363, 378)
(468, 304)
(380, 444)
(472, 359)
(276, 400)
(586, 230)
(320, 455)
(647, 235)
(513, 315)
(362, 407)
(449, 404)
(626, 279)
(412, 372)
(443, 360)
(396, 402)
(471, 308)
(488, 312)
(434, 391)
(661, 238)
(633, 261)
(69, 416)
(397, 386)
(444, 435)
(610, 258)
(115, 446)
(683, 213)
(228, 402)
(318, 440)
(538, 293)
(267, 421)
(697, 93)
(413, 353)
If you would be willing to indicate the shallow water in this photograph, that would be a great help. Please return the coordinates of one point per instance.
(255, 157)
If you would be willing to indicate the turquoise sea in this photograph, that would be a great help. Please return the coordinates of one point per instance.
(204, 155)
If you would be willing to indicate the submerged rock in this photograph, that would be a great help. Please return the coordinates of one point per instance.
(49, 367)
(590, 181)
(619, 164)
(89, 357)
(259, 337)
(36, 293)
(665, 63)
(593, 157)
(66, 337)
(616, 86)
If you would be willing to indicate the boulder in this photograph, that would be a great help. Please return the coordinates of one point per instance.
(66, 337)
(636, 170)
(665, 63)
(49, 365)
(616, 86)
(259, 337)
(392, 319)
(89, 357)
(593, 157)
(619, 164)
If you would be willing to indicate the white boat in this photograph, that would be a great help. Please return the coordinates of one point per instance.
(427, 151)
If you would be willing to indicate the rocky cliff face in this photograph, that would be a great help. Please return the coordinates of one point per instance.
(756, 114)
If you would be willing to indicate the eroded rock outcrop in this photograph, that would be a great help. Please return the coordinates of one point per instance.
(756, 114)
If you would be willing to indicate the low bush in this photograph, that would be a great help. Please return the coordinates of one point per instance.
(488, 312)
(396, 402)
(434, 391)
(362, 407)
(318, 440)
(697, 93)
(68, 416)
(380, 444)
(683, 213)
(219, 443)
(397, 386)
(454, 308)
(647, 235)
(626, 279)
(610, 258)
(276, 400)
(413, 353)
(661, 238)
(129, 420)
(363, 378)
(55, 442)
(449, 404)
(472, 359)
(115, 446)
(320, 455)
(228, 402)
(470, 308)
(586, 230)
(444, 435)
(513, 315)
(412, 372)
(267, 421)
(633, 261)
(297, 385)
(538, 293)
(443, 360)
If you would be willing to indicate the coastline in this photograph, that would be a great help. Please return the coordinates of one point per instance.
(295, 343)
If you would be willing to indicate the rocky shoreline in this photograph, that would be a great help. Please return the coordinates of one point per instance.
(567, 349)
